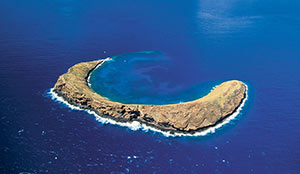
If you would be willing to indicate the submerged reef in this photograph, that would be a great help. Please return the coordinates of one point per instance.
(187, 117)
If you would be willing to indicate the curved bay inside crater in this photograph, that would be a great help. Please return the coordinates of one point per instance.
(146, 78)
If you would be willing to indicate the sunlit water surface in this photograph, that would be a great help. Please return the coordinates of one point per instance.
(194, 44)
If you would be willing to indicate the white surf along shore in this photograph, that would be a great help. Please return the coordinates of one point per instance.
(105, 60)
(135, 125)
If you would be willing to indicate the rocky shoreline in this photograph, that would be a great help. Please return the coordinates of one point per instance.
(188, 117)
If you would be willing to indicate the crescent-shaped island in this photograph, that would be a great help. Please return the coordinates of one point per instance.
(188, 117)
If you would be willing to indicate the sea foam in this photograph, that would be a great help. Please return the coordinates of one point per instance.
(104, 60)
(135, 125)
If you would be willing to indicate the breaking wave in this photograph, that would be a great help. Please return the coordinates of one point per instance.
(135, 125)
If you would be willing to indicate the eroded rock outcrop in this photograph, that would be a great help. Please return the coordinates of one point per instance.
(183, 117)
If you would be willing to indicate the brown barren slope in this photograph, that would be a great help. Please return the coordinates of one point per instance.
(182, 117)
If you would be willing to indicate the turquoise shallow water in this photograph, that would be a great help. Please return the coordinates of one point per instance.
(195, 43)
(144, 78)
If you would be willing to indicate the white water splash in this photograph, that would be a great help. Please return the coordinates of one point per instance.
(105, 60)
(135, 125)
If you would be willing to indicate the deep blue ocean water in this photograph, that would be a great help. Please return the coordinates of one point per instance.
(201, 43)
(145, 78)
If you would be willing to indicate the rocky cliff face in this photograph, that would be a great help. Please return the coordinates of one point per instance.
(183, 117)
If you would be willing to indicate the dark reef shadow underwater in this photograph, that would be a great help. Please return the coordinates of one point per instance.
(199, 43)
(109, 66)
